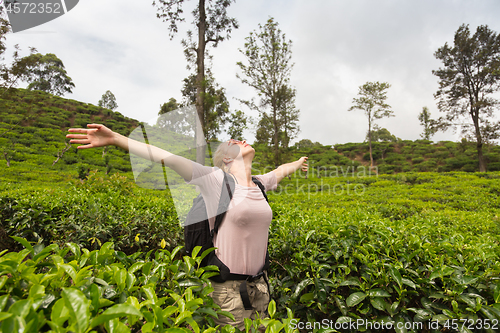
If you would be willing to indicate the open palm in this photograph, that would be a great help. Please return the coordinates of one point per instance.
(95, 136)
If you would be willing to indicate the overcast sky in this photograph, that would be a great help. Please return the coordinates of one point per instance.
(338, 45)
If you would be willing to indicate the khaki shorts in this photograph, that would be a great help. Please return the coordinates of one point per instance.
(227, 296)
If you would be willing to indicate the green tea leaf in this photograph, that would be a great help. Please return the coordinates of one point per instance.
(352, 281)
(378, 303)
(116, 326)
(396, 276)
(378, 293)
(116, 311)
(271, 308)
(5, 315)
(78, 307)
(20, 308)
(75, 249)
(182, 317)
(496, 295)
(341, 305)
(302, 284)
(409, 283)
(355, 299)
(24, 243)
(70, 270)
(60, 312)
(3, 279)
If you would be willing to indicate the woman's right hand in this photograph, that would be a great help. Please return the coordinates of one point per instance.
(96, 135)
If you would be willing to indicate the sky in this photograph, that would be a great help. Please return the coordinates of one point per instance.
(337, 46)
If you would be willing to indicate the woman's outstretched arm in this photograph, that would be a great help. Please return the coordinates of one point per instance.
(97, 135)
(287, 169)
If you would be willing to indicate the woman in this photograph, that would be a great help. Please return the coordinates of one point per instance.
(241, 242)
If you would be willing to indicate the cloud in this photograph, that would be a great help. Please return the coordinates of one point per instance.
(337, 46)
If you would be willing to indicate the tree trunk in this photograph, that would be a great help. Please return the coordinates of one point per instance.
(370, 141)
(200, 87)
(7, 158)
(275, 139)
(479, 141)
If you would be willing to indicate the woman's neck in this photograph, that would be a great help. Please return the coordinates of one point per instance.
(242, 172)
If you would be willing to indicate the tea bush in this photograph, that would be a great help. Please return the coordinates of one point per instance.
(414, 248)
(72, 289)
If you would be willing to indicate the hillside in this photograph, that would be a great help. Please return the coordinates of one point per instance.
(32, 135)
(34, 124)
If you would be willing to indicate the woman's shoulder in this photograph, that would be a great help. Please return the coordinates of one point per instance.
(203, 174)
(269, 180)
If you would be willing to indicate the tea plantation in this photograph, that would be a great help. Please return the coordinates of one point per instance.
(84, 249)
(418, 250)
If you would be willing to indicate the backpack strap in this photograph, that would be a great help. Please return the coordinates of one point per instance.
(223, 202)
(259, 184)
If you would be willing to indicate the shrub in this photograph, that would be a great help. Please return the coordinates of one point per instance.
(72, 289)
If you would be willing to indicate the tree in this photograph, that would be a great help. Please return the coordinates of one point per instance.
(381, 135)
(10, 75)
(237, 124)
(175, 121)
(47, 73)
(268, 53)
(215, 103)
(468, 81)
(430, 125)
(213, 25)
(372, 102)
(4, 30)
(108, 101)
(288, 116)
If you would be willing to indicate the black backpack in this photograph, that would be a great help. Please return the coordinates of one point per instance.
(197, 229)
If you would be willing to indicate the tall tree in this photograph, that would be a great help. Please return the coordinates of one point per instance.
(108, 101)
(213, 25)
(371, 100)
(288, 116)
(468, 81)
(268, 70)
(429, 124)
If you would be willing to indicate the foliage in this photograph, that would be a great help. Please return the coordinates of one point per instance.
(238, 122)
(216, 105)
(430, 125)
(411, 247)
(108, 101)
(32, 133)
(467, 84)
(371, 100)
(268, 54)
(213, 25)
(47, 73)
(72, 289)
(381, 135)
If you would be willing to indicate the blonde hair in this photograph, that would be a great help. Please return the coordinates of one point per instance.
(219, 155)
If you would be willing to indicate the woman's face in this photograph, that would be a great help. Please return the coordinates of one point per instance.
(236, 147)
